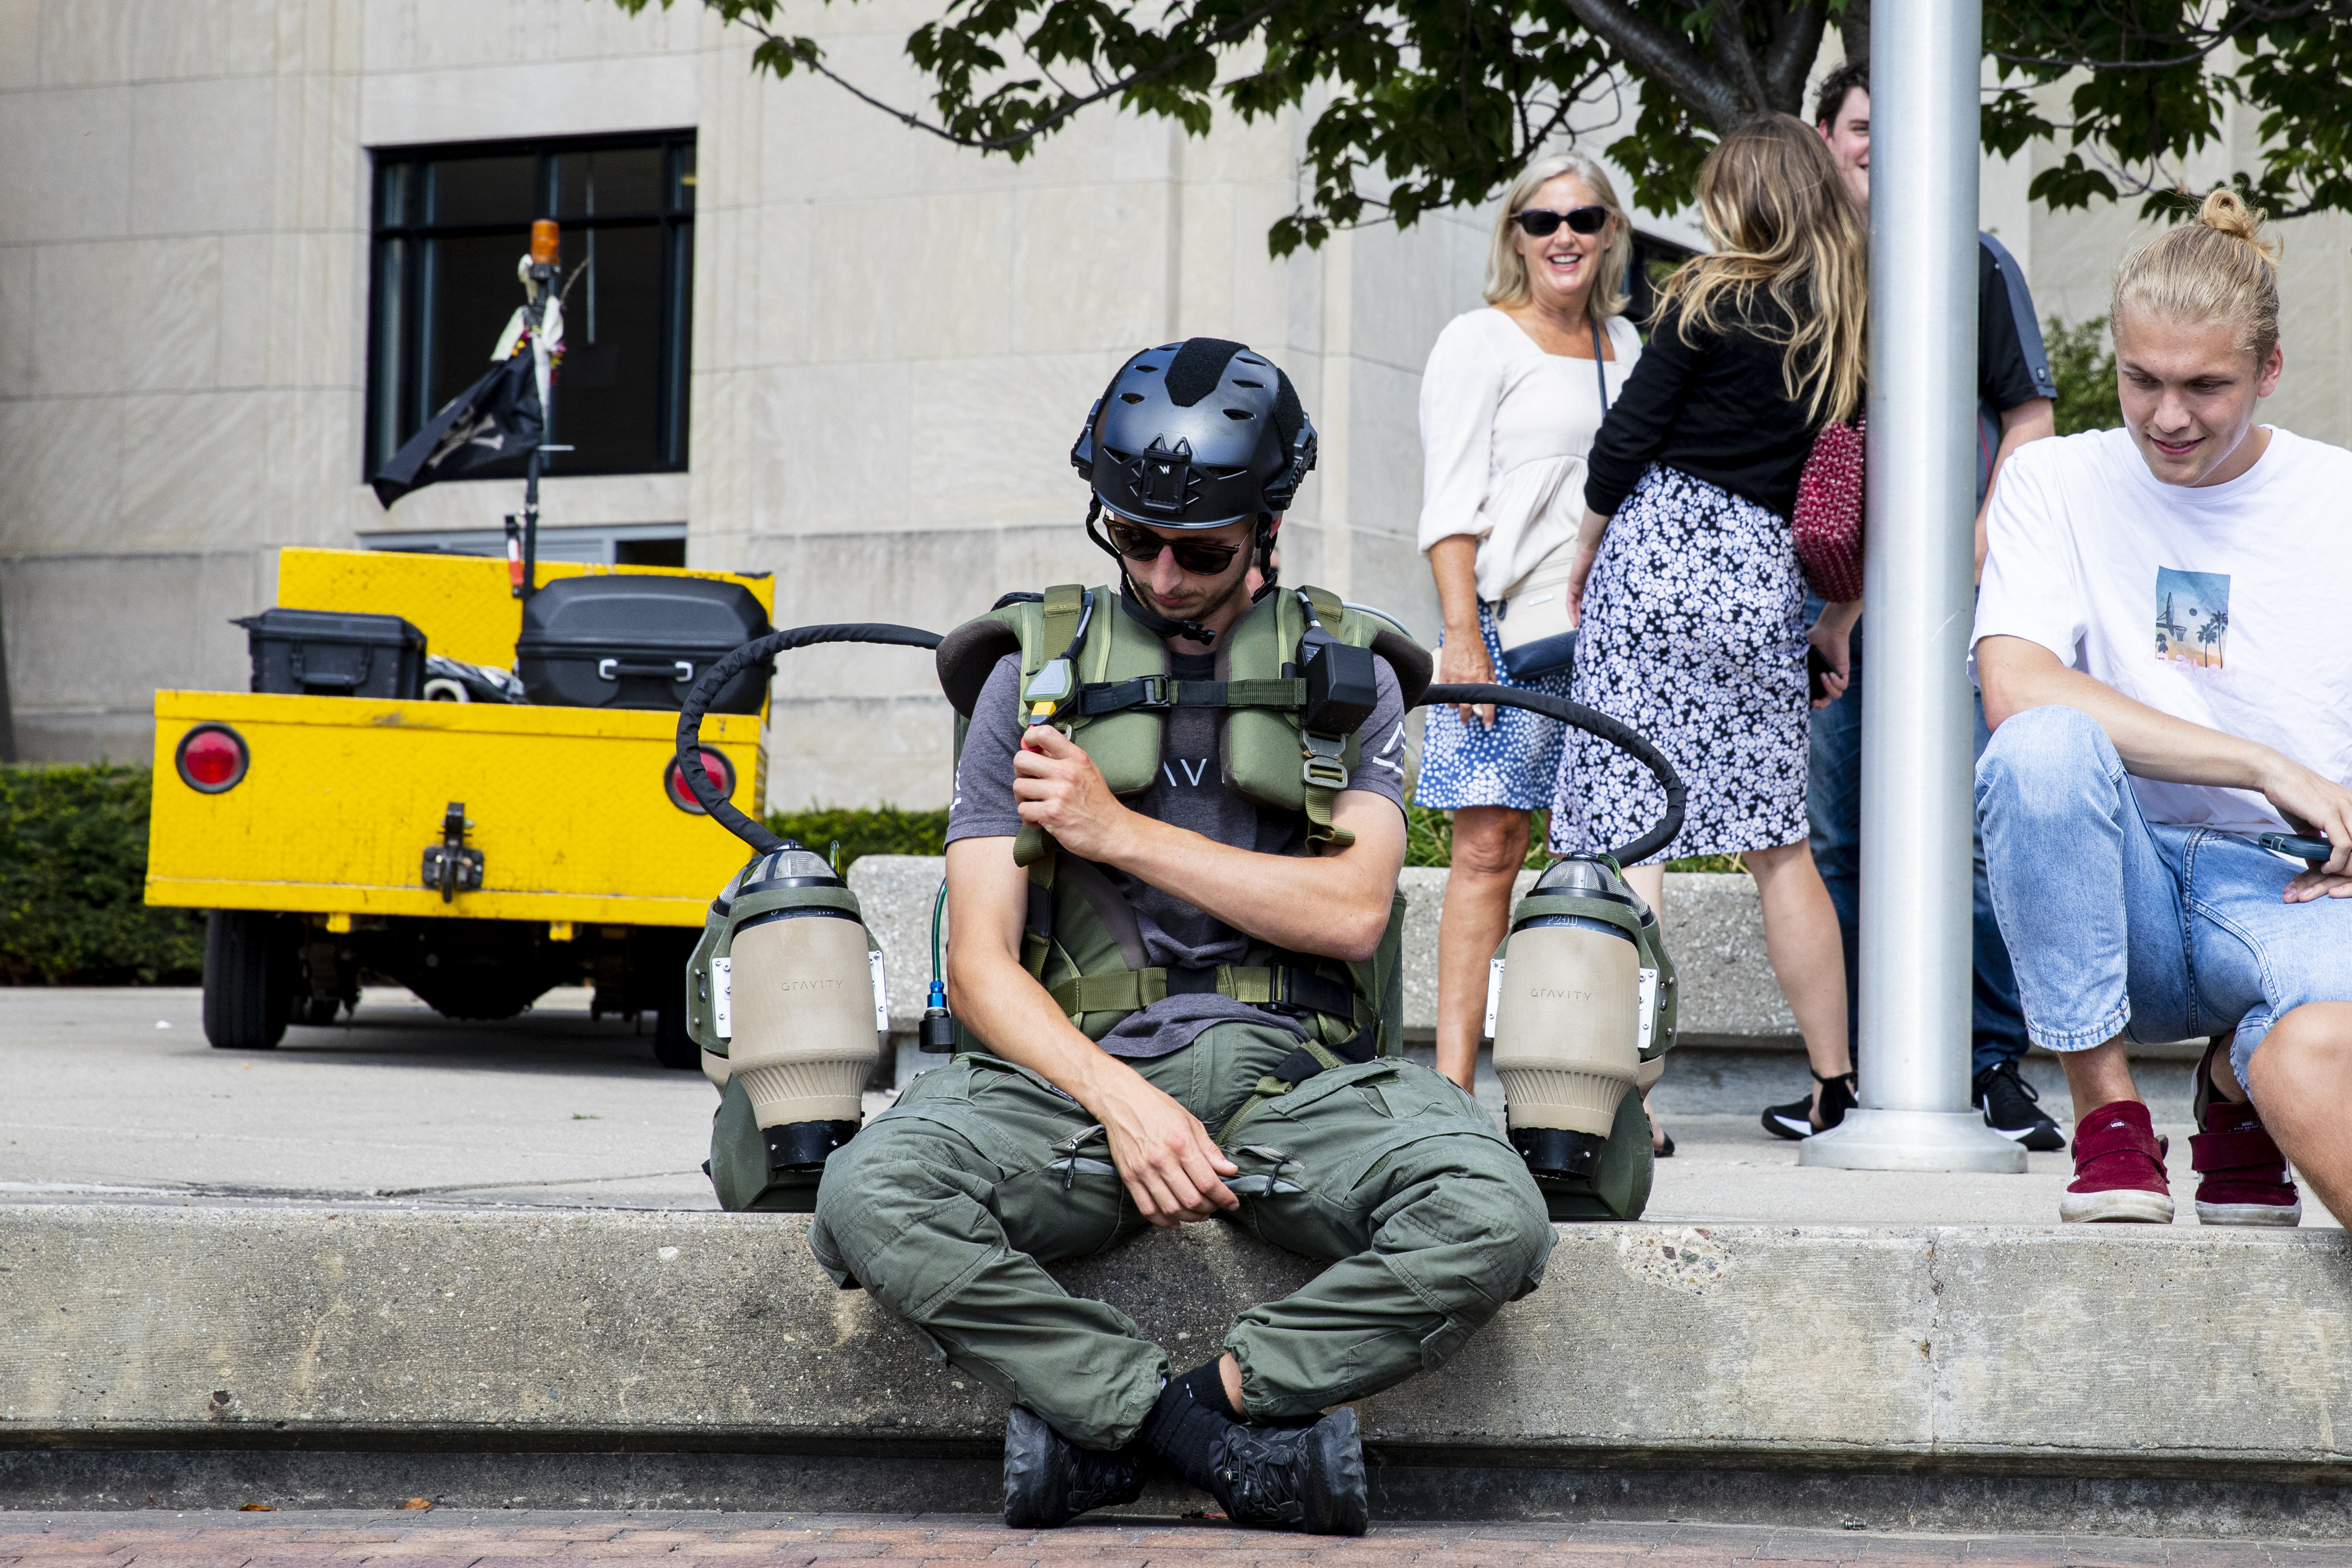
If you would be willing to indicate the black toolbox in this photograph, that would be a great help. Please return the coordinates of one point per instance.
(629, 641)
(335, 653)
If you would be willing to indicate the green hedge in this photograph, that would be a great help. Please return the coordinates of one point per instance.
(2084, 369)
(73, 869)
(884, 830)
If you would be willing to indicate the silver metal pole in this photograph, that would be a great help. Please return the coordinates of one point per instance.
(1917, 728)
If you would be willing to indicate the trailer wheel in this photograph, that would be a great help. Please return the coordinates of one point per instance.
(249, 965)
(673, 1046)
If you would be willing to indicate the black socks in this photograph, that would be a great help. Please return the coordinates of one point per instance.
(1191, 1415)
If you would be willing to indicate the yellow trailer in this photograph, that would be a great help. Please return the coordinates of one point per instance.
(477, 853)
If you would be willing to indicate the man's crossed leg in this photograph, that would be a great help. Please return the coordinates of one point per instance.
(949, 1203)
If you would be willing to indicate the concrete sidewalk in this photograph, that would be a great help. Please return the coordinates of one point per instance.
(472, 1538)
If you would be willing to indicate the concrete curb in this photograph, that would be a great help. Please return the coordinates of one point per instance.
(2120, 1360)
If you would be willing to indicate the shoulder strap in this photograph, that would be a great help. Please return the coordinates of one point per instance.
(1064, 602)
(1324, 769)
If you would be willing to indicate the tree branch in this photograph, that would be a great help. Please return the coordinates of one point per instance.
(1727, 33)
(1795, 41)
(805, 52)
(1664, 56)
(1853, 30)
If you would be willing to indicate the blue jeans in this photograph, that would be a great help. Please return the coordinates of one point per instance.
(1834, 795)
(2130, 927)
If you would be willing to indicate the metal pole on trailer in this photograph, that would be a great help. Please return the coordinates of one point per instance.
(1917, 725)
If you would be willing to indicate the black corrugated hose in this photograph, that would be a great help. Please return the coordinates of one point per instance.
(697, 702)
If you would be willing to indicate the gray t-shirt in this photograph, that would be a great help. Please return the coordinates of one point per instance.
(1189, 794)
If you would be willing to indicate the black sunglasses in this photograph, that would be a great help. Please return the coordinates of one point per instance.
(1536, 223)
(1201, 557)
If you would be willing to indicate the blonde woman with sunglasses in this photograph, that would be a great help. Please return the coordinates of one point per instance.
(1509, 402)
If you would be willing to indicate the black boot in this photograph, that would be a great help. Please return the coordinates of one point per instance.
(1050, 1480)
(1309, 1477)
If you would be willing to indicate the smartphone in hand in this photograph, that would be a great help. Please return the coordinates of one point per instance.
(1816, 667)
(2309, 849)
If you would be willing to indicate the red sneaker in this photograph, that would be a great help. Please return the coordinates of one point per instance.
(2244, 1178)
(2118, 1168)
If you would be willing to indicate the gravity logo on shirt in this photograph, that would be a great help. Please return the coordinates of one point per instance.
(2192, 617)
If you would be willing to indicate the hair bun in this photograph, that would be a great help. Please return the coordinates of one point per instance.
(2226, 212)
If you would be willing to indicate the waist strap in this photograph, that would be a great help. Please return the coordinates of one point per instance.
(1281, 989)
(1295, 1069)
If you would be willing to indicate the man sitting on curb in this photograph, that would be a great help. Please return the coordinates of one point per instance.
(1165, 994)
(2127, 779)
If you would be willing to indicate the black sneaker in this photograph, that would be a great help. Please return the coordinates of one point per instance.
(1050, 1480)
(1309, 1477)
(2011, 1107)
(1795, 1119)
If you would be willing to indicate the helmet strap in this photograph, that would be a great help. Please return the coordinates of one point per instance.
(1155, 623)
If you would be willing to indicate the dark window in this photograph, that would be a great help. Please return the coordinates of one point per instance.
(450, 224)
(1654, 261)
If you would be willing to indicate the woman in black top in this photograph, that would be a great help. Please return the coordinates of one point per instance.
(1691, 605)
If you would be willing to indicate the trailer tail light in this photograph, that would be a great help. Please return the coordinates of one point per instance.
(723, 776)
(212, 758)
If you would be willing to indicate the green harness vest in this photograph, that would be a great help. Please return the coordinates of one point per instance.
(1081, 940)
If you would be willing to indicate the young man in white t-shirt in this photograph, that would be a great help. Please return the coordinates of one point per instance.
(2159, 648)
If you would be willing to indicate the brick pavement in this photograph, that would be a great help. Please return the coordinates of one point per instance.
(160, 1538)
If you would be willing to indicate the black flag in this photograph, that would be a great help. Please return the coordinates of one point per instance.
(496, 418)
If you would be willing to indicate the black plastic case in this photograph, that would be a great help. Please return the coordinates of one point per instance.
(632, 641)
(335, 653)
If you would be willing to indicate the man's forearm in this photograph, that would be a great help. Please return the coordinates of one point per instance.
(2153, 745)
(1010, 1014)
(1322, 904)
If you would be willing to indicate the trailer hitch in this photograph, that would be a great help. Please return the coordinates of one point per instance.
(449, 866)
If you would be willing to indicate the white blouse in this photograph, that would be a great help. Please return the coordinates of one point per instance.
(1505, 428)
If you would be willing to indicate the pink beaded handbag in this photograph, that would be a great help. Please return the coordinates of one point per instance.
(1828, 521)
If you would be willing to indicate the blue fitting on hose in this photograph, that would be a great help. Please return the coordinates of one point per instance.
(937, 1032)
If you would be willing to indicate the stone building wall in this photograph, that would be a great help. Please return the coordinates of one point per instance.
(894, 340)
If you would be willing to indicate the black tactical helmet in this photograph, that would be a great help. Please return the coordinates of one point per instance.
(1196, 435)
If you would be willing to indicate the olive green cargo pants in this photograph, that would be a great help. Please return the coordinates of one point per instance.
(948, 1203)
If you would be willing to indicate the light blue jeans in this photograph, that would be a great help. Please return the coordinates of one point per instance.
(2119, 925)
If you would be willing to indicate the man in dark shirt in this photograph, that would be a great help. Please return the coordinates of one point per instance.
(1041, 1143)
(2014, 406)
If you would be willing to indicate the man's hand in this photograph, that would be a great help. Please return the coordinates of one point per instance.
(1058, 787)
(1835, 645)
(2314, 804)
(2313, 885)
(1165, 1156)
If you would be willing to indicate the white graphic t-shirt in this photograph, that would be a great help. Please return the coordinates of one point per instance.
(2223, 604)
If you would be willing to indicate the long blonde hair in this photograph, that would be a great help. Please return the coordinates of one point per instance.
(2216, 267)
(1507, 270)
(1781, 221)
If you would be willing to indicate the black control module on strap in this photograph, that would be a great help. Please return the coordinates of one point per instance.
(1342, 686)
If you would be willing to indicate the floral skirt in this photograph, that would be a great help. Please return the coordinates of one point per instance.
(1513, 763)
(1693, 635)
